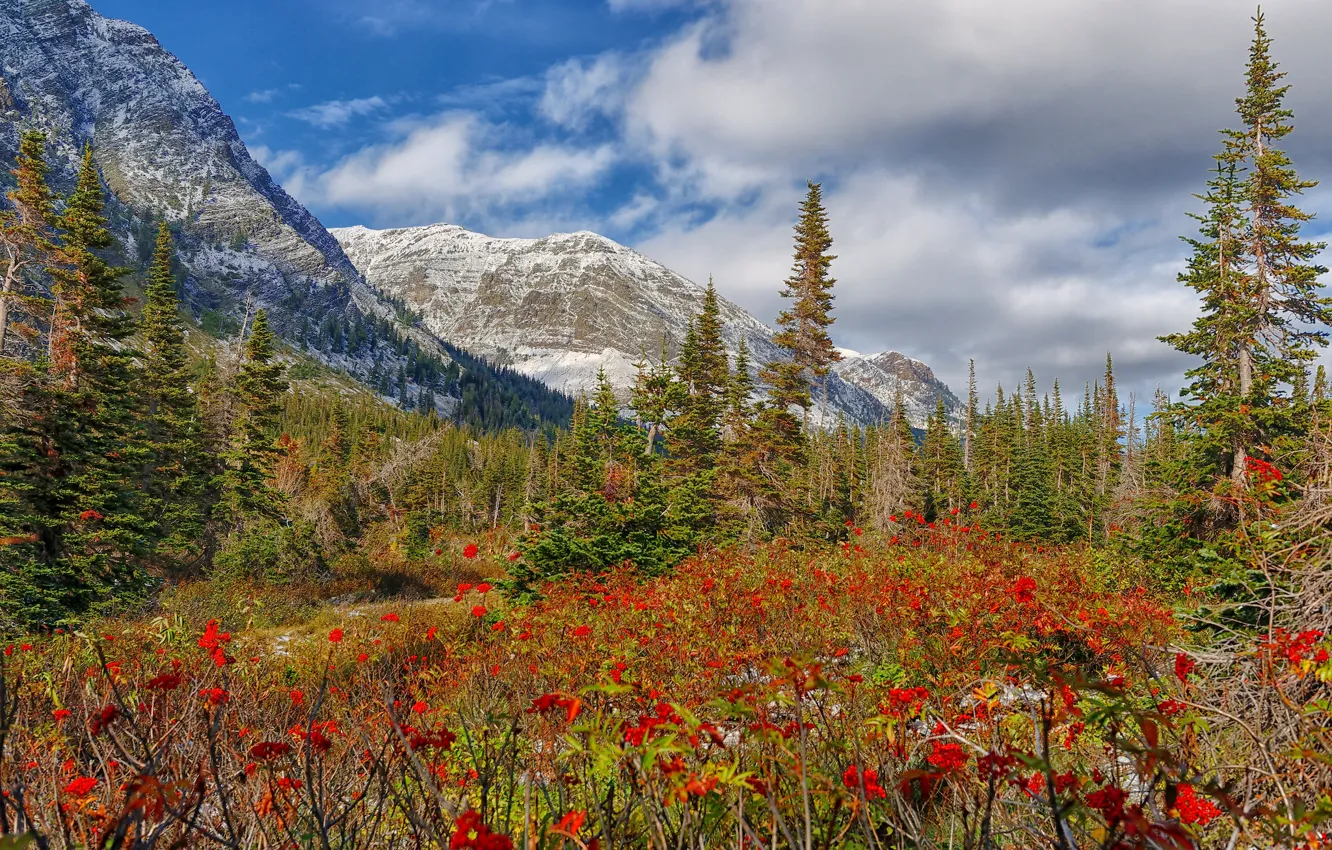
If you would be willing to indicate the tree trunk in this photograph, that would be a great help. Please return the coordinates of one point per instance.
(1245, 388)
(4, 308)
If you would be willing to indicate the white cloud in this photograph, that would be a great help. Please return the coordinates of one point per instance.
(262, 96)
(578, 90)
(945, 280)
(1006, 181)
(451, 166)
(336, 113)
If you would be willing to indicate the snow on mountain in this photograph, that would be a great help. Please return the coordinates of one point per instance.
(556, 309)
(562, 307)
(889, 373)
(166, 150)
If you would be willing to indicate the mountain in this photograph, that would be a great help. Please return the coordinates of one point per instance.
(886, 374)
(167, 151)
(561, 307)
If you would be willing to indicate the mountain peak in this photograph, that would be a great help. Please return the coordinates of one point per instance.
(564, 306)
(167, 151)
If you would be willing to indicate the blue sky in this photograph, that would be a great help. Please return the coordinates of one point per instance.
(322, 78)
(1006, 181)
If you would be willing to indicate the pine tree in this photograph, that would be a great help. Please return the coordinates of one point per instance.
(655, 398)
(175, 479)
(939, 468)
(804, 335)
(1031, 516)
(73, 461)
(1290, 313)
(969, 430)
(88, 316)
(704, 375)
(1263, 312)
(252, 453)
(615, 510)
(26, 237)
(738, 391)
(892, 485)
(804, 326)
(738, 483)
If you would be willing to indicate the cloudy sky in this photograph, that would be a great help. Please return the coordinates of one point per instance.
(1007, 179)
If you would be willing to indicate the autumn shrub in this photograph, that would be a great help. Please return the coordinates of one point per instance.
(872, 695)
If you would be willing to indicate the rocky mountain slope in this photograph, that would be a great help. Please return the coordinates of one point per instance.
(167, 151)
(889, 373)
(562, 307)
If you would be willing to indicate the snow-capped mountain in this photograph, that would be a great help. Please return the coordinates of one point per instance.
(562, 307)
(889, 373)
(555, 309)
(166, 150)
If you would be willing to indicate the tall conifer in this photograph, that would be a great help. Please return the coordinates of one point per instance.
(26, 238)
(252, 451)
(175, 477)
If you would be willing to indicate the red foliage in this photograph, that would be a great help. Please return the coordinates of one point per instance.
(470, 833)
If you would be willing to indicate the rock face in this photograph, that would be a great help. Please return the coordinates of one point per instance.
(562, 307)
(886, 374)
(167, 151)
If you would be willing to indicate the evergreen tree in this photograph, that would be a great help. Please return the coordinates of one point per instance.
(72, 461)
(803, 333)
(614, 512)
(1031, 516)
(26, 238)
(1289, 313)
(803, 328)
(249, 459)
(1264, 314)
(704, 373)
(939, 469)
(175, 479)
(738, 483)
(969, 429)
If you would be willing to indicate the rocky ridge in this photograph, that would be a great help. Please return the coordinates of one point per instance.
(562, 307)
(166, 150)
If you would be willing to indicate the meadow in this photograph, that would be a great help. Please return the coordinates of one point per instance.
(946, 690)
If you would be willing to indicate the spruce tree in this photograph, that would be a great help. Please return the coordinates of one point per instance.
(1264, 314)
(1031, 516)
(738, 484)
(655, 398)
(26, 238)
(252, 453)
(803, 328)
(969, 429)
(614, 512)
(704, 374)
(175, 479)
(939, 466)
(1292, 312)
(73, 461)
(803, 333)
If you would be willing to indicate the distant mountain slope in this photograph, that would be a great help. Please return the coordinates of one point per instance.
(883, 375)
(167, 150)
(562, 307)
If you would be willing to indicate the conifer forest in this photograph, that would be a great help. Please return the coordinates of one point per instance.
(247, 601)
